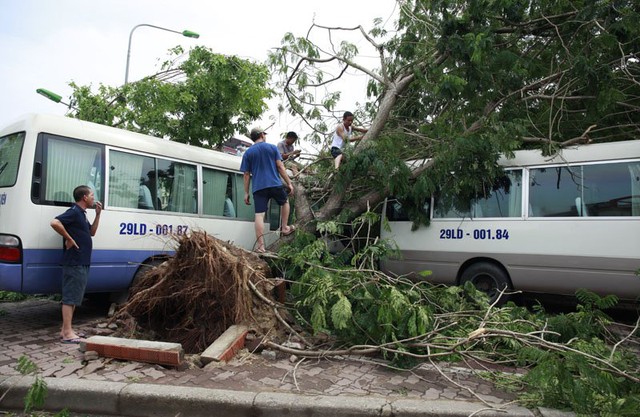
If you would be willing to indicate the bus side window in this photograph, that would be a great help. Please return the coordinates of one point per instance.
(553, 191)
(217, 193)
(612, 189)
(179, 185)
(585, 190)
(505, 200)
(66, 164)
(394, 212)
(243, 211)
(127, 184)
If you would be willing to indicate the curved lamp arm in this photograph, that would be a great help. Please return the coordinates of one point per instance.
(186, 33)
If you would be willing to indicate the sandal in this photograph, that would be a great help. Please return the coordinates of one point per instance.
(74, 340)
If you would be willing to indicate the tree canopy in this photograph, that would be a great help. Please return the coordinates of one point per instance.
(201, 100)
(463, 81)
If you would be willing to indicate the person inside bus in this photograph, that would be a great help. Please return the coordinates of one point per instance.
(148, 189)
(144, 197)
(342, 135)
(77, 234)
(229, 209)
(261, 164)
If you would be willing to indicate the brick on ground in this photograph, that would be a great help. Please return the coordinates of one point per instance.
(163, 353)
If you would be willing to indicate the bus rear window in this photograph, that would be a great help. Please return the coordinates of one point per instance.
(10, 150)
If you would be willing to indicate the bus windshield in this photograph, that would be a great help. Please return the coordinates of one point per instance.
(10, 149)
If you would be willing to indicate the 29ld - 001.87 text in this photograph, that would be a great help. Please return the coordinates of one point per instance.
(141, 229)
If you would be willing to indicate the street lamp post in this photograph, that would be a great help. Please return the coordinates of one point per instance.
(56, 98)
(187, 33)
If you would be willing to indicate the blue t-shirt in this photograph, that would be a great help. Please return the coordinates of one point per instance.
(78, 227)
(260, 160)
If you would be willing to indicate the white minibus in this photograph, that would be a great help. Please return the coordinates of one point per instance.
(153, 190)
(554, 224)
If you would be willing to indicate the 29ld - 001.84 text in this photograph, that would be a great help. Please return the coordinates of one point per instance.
(476, 234)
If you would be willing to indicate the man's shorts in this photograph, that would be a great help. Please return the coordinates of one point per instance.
(261, 198)
(335, 152)
(74, 282)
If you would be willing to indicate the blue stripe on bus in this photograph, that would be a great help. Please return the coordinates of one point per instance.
(111, 271)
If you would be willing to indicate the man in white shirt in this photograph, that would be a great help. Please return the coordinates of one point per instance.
(342, 135)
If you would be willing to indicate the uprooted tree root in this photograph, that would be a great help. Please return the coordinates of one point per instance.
(195, 296)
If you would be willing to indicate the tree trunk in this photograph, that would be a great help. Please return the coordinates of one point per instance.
(306, 217)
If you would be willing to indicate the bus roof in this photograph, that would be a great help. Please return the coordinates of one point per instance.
(579, 153)
(111, 136)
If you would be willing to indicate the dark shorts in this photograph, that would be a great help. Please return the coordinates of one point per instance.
(74, 282)
(261, 198)
(335, 152)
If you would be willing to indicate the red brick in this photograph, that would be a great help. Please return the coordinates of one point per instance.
(163, 353)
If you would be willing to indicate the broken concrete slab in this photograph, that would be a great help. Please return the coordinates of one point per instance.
(226, 346)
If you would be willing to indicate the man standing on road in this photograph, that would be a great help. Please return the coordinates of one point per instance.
(76, 231)
(261, 164)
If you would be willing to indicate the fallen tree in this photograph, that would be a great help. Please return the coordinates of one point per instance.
(580, 360)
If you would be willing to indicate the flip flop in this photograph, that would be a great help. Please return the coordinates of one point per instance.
(291, 230)
(72, 341)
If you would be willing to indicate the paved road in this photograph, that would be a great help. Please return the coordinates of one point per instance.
(31, 328)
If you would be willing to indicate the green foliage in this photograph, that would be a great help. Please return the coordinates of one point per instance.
(36, 395)
(569, 379)
(570, 361)
(588, 321)
(12, 296)
(37, 392)
(573, 381)
(26, 366)
(201, 100)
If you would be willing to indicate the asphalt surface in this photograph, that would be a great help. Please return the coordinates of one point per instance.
(249, 385)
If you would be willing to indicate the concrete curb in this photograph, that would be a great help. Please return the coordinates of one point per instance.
(132, 399)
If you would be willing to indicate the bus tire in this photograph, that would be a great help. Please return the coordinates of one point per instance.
(142, 271)
(488, 278)
(121, 297)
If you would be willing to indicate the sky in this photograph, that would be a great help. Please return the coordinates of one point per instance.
(47, 44)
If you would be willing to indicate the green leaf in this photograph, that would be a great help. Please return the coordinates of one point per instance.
(341, 313)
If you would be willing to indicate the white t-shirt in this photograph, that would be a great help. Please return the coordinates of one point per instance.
(337, 141)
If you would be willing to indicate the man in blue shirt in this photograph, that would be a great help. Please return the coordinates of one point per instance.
(261, 164)
(76, 230)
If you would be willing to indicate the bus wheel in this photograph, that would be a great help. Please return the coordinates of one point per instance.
(141, 272)
(488, 278)
(123, 296)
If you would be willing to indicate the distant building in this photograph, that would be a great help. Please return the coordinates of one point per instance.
(236, 146)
